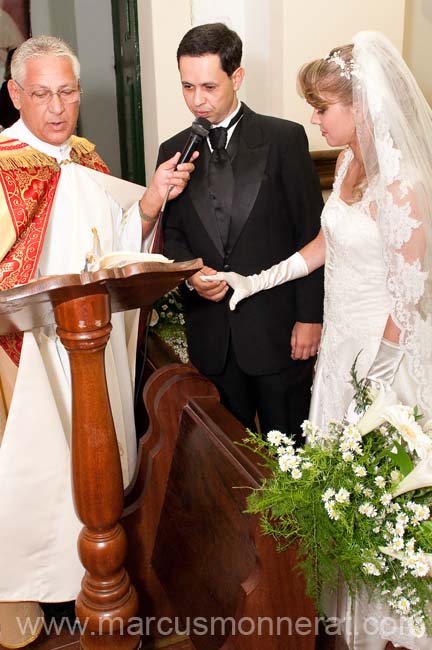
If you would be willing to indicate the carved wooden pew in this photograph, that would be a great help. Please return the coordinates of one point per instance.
(194, 555)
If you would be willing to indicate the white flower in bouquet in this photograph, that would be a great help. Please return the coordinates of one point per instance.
(153, 318)
(168, 323)
(420, 477)
(373, 417)
(386, 499)
(328, 494)
(359, 470)
(316, 436)
(419, 564)
(274, 437)
(402, 418)
(285, 462)
(368, 510)
(371, 568)
(342, 498)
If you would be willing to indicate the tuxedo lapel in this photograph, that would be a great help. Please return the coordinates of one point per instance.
(200, 197)
(249, 166)
(250, 158)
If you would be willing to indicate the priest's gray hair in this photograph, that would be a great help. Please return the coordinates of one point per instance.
(40, 46)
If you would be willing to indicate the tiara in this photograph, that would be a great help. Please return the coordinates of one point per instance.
(348, 68)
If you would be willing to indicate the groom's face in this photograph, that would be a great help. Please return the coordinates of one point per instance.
(208, 91)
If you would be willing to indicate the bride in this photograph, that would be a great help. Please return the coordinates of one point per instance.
(375, 241)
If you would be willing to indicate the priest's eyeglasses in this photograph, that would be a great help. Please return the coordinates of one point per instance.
(44, 96)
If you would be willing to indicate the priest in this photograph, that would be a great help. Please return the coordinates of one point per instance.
(58, 208)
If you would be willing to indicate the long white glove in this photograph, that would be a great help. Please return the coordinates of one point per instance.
(386, 362)
(246, 285)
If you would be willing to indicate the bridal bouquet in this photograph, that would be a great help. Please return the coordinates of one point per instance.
(357, 498)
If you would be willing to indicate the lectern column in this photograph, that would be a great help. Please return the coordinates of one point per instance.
(107, 600)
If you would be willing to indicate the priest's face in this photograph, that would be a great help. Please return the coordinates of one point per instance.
(48, 98)
(208, 91)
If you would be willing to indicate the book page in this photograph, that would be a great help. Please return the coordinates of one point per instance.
(120, 258)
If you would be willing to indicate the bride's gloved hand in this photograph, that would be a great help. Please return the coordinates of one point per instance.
(244, 286)
(386, 363)
(382, 371)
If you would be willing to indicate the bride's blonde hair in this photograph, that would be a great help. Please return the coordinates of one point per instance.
(330, 80)
(329, 76)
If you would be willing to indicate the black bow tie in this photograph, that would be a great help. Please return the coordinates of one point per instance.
(218, 137)
(221, 177)
(219, 134)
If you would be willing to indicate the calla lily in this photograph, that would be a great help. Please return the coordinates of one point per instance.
(420, 477)
(428, 559)
(402, 418)
(373, 416)
(398, 555)
(154, 318)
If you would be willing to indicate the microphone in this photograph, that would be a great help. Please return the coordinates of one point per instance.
(199, 130)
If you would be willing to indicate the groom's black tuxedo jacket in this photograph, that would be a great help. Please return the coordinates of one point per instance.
(276, 210)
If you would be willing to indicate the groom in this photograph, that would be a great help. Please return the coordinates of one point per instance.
(254, 200)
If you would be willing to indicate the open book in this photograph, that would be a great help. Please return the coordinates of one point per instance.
(121, 258)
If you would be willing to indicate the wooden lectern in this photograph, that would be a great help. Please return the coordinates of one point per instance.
(81, 306)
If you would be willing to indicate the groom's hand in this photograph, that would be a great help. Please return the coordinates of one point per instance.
(242, 285)
(214, 291)
(305, 339)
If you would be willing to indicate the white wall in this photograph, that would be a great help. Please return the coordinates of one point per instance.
(312, 28)
(40, 21)
(161, 25)
(88, 29)
(418, 43)
(278, 37)
(264, 56)
(98, 114)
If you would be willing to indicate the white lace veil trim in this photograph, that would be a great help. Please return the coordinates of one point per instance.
(394, 127)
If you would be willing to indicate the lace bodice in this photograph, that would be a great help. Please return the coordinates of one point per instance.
(356, 304)
(356, 299)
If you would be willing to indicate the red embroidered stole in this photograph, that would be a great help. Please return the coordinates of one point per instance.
(28, 182)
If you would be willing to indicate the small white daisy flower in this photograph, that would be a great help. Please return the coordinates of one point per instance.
(342, 496)
(380, 481)
(368, 510)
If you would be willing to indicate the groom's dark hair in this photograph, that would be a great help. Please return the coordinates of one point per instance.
(213, 38)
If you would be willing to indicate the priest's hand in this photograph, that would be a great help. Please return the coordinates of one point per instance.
(167, 176)
(169, 181)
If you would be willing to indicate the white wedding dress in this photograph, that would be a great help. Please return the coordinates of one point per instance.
(356, 304)
(356, 308)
